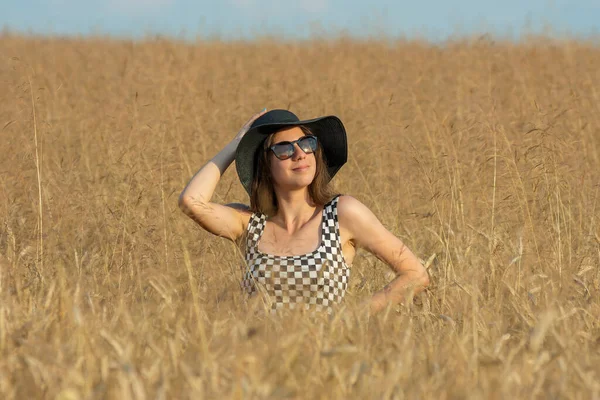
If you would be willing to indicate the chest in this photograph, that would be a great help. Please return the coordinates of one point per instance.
(276, 241)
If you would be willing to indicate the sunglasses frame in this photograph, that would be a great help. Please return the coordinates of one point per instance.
(292, 143)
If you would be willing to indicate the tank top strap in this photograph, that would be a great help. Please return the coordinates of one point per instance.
(331, 228)
(255, 228)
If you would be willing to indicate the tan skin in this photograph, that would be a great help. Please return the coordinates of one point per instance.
(295, 229)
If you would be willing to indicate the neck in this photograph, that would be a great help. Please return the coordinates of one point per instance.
(295, 208)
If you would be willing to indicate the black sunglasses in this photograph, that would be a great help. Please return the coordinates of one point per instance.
(284, 150)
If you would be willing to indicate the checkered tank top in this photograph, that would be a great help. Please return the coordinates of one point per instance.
(317, 280)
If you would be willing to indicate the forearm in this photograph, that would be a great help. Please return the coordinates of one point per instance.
(398, 290)
(202, 186)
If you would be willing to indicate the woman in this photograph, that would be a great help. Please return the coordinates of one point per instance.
(298, 238)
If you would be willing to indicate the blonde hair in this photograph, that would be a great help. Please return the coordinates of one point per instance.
(263, 198)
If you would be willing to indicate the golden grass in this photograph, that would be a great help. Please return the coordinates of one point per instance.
(483, 157)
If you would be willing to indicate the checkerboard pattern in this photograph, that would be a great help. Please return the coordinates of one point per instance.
(317, 280)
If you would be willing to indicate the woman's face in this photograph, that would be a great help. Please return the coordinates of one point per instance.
(299, 170)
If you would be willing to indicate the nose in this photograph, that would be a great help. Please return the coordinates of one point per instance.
(299, 154)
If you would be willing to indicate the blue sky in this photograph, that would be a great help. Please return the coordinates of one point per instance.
(432, 19)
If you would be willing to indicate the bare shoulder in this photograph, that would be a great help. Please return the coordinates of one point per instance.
(350, 207)
(359, 223)
(356, 219)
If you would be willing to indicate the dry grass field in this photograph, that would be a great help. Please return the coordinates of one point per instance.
(482, 156)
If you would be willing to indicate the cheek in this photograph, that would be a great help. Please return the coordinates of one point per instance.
(276, 170)
(314, 163)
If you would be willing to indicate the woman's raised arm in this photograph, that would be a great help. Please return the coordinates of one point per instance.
(227, 221)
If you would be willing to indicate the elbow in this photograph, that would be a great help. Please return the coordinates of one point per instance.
(183, 202)
(187, 203)
(192, 206)
(420, 279)
(424, 279)
(422, 276)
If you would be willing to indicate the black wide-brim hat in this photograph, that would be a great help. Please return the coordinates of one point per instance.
(329, 131)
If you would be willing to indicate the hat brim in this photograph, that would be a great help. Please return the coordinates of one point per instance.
(329, 130)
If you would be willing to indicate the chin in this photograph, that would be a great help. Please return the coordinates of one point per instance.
(298, 184)
(306, 182)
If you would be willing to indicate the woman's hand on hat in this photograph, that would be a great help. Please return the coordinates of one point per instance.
(246, 127)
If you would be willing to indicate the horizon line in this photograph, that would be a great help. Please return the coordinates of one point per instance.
(546, 34)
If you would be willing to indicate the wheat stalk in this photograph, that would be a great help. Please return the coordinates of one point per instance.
(38, 168)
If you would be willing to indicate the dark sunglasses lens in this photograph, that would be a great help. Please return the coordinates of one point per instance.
(308, 144)
(283, 150)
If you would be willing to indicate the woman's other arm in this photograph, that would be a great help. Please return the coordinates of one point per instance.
(367, 232)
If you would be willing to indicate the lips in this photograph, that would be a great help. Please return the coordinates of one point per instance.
(300, 168)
